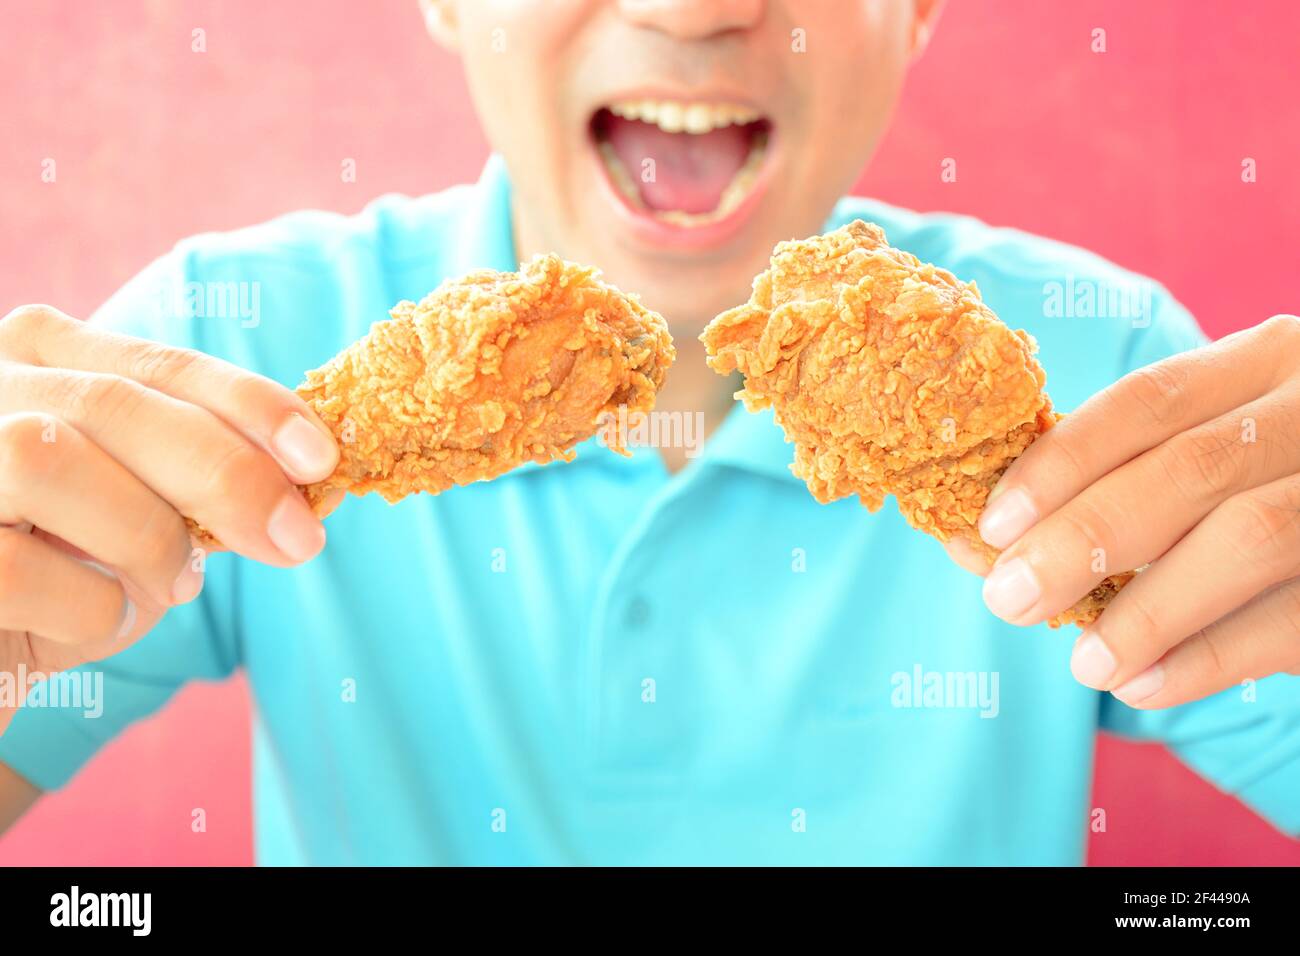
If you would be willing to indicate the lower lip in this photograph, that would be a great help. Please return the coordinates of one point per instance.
(645, 227)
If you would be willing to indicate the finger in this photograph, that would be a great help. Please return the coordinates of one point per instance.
(188, 456)
(1118, 523)
(331, 501)
(1138, 412)
(265, 412)
(50, 593)
(53, 477)
(142, 617)
(1260, 639)
(964, 554)
(1245, 547)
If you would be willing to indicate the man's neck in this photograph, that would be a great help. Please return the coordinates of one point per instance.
(695, 390)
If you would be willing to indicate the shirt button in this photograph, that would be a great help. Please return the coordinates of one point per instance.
(637, 613)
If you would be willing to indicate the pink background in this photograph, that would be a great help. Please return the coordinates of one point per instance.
(1135, 153)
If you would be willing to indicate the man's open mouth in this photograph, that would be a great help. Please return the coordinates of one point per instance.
(684, 163)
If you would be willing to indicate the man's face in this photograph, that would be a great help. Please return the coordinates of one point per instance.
(672, 143)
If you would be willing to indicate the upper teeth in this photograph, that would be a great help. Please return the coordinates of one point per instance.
(673, 116)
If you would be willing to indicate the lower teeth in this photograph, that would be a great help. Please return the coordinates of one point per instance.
(731, 197)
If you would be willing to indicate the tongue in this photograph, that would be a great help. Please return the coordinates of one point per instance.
(690, 170)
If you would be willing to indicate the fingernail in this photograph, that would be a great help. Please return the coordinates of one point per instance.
(307, 451)
(294, 529)
(1011, 589)
(128, 618)
(188, 583)
(1143, 686)
(1092, 663)
(1007, 516)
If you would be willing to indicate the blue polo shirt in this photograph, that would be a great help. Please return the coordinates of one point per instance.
(602, 662)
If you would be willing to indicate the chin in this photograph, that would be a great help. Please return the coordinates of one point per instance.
(687, 292)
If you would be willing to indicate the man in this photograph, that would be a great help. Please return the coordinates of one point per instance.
(672, 658)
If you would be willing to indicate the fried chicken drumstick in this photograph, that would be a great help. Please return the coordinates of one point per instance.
(891, 377)
(487, 372)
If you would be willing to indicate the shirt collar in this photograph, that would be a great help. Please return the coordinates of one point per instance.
(751, 441)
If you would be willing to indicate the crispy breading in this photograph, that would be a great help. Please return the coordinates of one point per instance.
(487, 372)
(891, 377)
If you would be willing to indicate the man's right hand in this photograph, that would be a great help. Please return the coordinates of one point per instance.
(106, 441)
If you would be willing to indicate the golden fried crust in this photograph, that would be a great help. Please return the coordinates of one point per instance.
(891, 377)
(487, 372)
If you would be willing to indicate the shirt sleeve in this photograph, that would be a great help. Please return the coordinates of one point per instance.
(1245, 740)
(48, 741)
